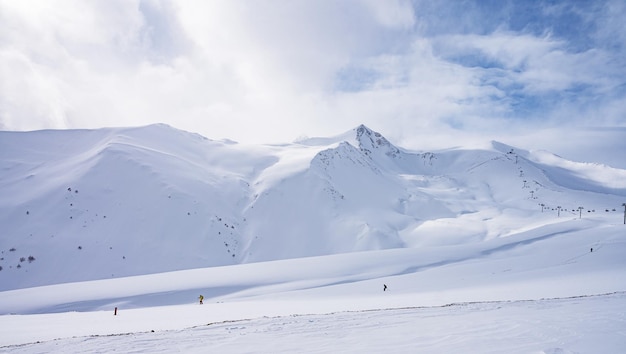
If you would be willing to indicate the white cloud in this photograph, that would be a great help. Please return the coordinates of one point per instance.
(393, 13)
(266, 71)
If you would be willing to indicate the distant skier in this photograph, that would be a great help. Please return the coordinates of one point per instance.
(384, 287)
(201, 299)
(591, 249)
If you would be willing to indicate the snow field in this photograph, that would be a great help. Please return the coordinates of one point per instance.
(529, 293)
(571, 325)
(483, 251)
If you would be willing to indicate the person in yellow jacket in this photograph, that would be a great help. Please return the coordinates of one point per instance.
(201, 299)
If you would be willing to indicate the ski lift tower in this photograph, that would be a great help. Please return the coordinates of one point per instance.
(580, 212)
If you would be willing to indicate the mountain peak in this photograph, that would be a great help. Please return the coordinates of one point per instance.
(369, 140)
(360, 137)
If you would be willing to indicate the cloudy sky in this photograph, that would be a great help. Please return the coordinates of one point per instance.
(273, 71)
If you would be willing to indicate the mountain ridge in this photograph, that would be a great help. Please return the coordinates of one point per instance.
(116, 202)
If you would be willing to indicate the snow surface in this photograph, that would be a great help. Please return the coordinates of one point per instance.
(482, 250)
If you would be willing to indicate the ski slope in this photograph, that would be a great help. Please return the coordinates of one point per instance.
(98, 204)
(499, 249)
(539, 292)
(551, 326)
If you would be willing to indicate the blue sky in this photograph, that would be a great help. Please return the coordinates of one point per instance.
(272, 71)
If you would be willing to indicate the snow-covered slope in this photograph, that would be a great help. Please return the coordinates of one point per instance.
(498, 249)
(541, 291)
(97, 204)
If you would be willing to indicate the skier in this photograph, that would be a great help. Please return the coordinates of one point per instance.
(201, 299)
(384, 287)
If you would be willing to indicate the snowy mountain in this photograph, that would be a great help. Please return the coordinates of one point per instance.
(95, 204)
(344, 243)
